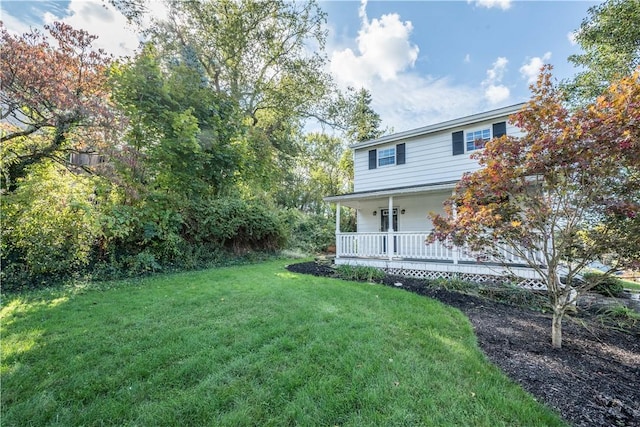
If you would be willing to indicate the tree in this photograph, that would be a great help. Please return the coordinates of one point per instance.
(183, 155)
(610, 38)
(364, 122)
(133, 10)
(318, 172)
(258, 54)
(181, 133)
(559, 197)
(325, 164)
(51, 90)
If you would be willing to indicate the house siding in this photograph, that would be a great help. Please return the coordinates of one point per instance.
(428, 159)
(433, 162)
(415, 218)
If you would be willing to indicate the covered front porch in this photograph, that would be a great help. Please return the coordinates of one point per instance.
(392, 231)
(408, 254)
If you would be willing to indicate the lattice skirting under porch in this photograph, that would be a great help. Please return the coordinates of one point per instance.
(534, 284)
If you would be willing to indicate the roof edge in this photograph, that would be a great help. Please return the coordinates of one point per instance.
(436, 127)
(444, 185)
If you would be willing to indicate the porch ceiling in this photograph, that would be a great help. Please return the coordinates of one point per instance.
(355, 200)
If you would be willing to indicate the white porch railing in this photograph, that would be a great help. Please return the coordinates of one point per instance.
(412, 246)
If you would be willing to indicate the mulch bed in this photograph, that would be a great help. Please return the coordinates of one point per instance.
(594, 380)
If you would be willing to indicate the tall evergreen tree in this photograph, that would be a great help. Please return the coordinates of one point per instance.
(364, 123)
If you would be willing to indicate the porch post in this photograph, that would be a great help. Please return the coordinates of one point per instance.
(456, 249)
(337, 230)
(390, 230)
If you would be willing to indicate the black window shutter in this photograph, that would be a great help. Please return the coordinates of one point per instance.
(373, 159)
(400, 156)
(499, 129)
(458, 142)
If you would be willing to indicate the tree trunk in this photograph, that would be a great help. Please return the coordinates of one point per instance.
(19, 169)
(556, 329)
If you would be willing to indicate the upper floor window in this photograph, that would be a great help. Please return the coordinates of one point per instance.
(395, 155)
(387, 156)
(477, 139)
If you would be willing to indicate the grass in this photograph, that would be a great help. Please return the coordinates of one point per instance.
(248, 345)
(630, 284)
(619, 316)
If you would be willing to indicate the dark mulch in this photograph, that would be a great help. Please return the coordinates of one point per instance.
(594, 380)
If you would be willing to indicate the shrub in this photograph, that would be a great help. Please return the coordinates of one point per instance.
(16, 277)
(49, 222)
(457, 284)
(143, 263)
(515, 295)
(604, 284)
(143, 236)
(619, 316)
(308, 232)
(236, 224)
(360, 273)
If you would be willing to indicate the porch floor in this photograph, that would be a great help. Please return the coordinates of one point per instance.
(435, 261)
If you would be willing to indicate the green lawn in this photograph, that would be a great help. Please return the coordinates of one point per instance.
(249, 345)
(628, 284)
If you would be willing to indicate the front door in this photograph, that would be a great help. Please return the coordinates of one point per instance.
(384, 227)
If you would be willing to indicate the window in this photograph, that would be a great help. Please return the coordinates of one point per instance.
(387, 156)
(477, 139)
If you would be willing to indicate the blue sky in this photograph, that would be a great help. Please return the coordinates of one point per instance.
(422, 61)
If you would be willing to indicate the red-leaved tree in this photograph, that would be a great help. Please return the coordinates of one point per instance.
(47, 91)
(563, 195)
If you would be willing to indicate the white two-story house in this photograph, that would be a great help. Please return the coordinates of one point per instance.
(399, 179)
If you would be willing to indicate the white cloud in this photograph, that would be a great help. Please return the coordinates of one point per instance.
(494, 91)
(115, 34)
(383, 50)
(495, 73)
(467, 58)
(14, 25)
(496, 94)
(531, 69)
(383, 61)
(571, 36)
(154, 10)
(502, 4)
(414, 101)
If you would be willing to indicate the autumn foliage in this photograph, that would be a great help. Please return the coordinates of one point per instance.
(563, 195)
(48, 90)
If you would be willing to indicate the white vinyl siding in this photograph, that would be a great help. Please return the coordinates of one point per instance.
(416, 208)
(429, 160)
